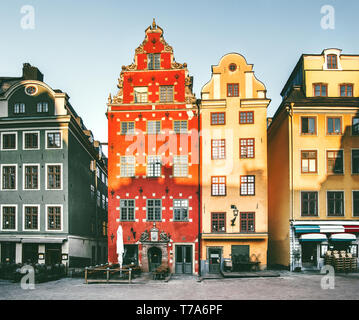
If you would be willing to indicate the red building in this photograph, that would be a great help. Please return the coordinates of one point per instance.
(153, 160)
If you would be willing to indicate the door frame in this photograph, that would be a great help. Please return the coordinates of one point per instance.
(174, 244)
(208, 248)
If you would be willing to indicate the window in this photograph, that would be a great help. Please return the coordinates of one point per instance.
(54, 177)
(8, 141)
(92, 191)
(154, 127)
(127, 127)
(247, 222)
(246, 148)
(355, 161)
(30, 90)
(218, 118)
(346, 90)
(232, 90)
(31, 218)
(320, 90)
(31, 181)
(355, 203)
(98, 198)
(54, 218)
(154, 165)
(154, 61)
(154, 209)
(335, 203)
(31, 140)
(335, 162)
(8, 218)
(309, 161)
(246, 117)
(218, 149)
(180, 209)
(218, 222)
(309, 204)
(19, 108)
(103, 202)
(332, 61)
(141, 94)
(166, 93)
(127, 166)
(334, 126)
(180, 166)
(127, 210)
(180, 126)
(232, 67)
(9, 177)
(53, 140)
(218, 186)
(308, 125)
(42, 107)
(247, 187)
(355, 126)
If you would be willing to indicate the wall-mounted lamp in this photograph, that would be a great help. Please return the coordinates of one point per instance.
(140, 190)
(133, 233)
(41, 256)
(235, 214)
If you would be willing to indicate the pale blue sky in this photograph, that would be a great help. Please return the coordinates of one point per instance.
(81, 45)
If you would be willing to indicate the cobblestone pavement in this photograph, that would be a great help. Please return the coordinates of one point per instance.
(288, 286)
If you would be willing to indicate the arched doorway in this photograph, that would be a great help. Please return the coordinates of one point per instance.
(154, 258)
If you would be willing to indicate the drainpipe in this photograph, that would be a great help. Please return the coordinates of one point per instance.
(291, 140)
(199, 189)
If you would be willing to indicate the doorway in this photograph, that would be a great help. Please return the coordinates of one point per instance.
(214, 255)
(8, 252)
(30, 253)
(309, 254)
(183, 259)
(154, 258)
(53, 254)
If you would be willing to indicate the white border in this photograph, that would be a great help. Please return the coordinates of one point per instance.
(61, 176)
(38, 217)
(1, 176)
(23, 140)
(47, 217)
(24, 178)
(1, 215)
(61, 138)
(16, 142)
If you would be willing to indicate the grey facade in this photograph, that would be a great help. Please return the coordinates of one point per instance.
(53, 188)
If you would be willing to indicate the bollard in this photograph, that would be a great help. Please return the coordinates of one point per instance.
(108, 274)
(86, 275)
(129, 276)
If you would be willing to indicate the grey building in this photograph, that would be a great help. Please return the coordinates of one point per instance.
(53, 177)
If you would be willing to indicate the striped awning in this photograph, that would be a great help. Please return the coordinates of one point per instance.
(351, 228)
(332, 229)
(307, 228)
(313, 237)
(343, 237)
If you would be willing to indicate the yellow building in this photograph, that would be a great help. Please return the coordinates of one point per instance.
(313, 162)
(234, 167)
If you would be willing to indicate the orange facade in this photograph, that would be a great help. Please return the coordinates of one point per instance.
(153, 160)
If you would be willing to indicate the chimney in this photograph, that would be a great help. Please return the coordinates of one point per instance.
(31, 73)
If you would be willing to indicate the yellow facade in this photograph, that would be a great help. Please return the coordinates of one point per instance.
(287, 145)
(251, 97)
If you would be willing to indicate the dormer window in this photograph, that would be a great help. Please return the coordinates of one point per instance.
(332, 62)
(346, 90)
(42, 107)
(154, 61)
(320, 90)
(19, 108)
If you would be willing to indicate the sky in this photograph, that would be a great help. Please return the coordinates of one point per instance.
(81, 45)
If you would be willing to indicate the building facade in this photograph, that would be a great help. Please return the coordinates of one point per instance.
(48, 206)
(233, 166)
(313, 163)
(153, 160)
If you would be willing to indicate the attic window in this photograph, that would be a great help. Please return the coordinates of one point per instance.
(332, 61)
(232, 67)
(30, 90)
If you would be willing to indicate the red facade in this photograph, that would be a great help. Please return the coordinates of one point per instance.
(153, 160)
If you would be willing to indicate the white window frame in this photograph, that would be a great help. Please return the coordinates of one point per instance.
(154, 127)
(24, 176)
(38, 217)
(181, 130)
(141, 93)
(47, 217)
(1, 176)
(177, 161)
(53, 131)
(122, 174)
(155, 158)
(20, 104)
(42, 103)
(62, 176)
(23, 140)
(16, 143)
(180, 207)
(2, 218)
